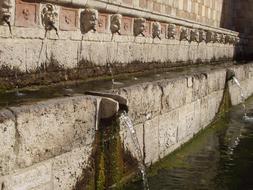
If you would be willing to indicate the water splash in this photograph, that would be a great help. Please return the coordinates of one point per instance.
(126, 122)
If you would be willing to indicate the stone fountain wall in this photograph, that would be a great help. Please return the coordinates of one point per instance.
(128, 35)
(48, 145)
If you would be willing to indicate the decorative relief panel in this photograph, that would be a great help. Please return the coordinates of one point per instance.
(102, 25)
(127, 25)
(148, 29)
(26, 14)
(163, 30)
(210, 37)
(68, 19)
(89, 20)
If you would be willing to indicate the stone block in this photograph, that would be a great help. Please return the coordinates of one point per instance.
(31, 178)
(68, 19)
(168, 132)
(67, 169)
(127, 26)
(151, 140)
(8, 142)
(53, 127)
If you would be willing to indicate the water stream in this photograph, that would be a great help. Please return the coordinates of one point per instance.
(219, 158)
(126, 122)
(246, 117)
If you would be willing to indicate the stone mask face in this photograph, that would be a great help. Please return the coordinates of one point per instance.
(49, 16)
(5, 10)
(89, 20)
(172, 31)
(156, 30)
(116, 23)
(210, 36)
(202, 36)
(139, 26)
(194, 35)
(184, 35)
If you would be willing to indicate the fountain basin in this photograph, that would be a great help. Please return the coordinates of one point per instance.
(53, 140)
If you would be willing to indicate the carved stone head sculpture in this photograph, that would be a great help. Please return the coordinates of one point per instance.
(172, 31)
(139, 26)
(202, 36)
(194, 35)
(156, 30)
(116, 23)
(209, 36)
(5, 11)
(216, 37)
(222, 38)
(227, 39)
(184, 34)
(49, 17)
(89, 20)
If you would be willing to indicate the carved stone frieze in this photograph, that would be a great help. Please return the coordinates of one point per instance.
(156, 30)
(116, 21)
(89, 20)
(139, 26)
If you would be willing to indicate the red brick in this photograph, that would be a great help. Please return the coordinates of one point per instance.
(68, 19)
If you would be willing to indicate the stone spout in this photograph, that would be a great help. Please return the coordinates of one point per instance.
(230, 75)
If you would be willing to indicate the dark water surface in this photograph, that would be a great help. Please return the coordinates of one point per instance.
(219, 158)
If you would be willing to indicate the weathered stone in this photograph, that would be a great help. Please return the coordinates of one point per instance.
(51, 128)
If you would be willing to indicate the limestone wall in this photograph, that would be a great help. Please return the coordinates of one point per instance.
(47, 145)
(108, 33)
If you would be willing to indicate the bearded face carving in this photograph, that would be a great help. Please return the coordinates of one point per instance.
(156, 30)
(172, 31)
(89, 20)
(139, 26)
(116, 23)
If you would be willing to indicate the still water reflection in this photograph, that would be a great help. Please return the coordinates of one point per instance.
(219, 158)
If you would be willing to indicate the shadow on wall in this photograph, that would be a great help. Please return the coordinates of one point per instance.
(237, 16)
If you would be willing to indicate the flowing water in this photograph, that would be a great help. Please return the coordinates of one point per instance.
(219, 158)
(126, 122)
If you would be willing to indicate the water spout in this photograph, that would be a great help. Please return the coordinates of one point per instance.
(126, 122)
(241, 94)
